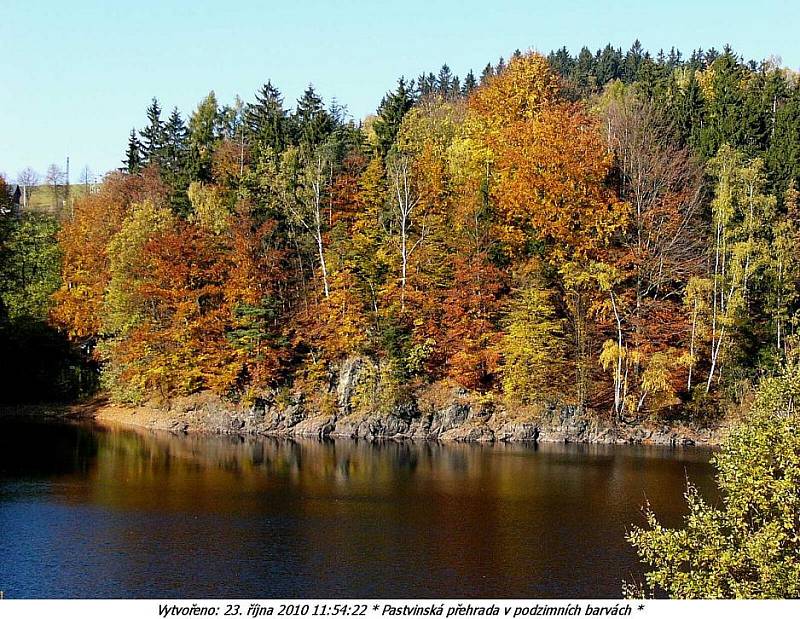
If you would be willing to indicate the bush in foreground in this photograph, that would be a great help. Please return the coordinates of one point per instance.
(749, 546)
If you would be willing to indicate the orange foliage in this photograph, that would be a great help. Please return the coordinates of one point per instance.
(549, 161)
(84, 239)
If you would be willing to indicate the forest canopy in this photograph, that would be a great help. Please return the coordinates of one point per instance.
(614, 230)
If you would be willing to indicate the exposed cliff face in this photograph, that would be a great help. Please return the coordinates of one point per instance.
(455, 416)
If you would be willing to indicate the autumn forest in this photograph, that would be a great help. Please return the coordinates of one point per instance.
(614, 230)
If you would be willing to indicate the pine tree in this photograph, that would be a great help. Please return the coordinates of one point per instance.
(153, 135)
(488, 71)
(133, 155)
(391, 111)
(266, 121)
(444, 82)
(470, 84)
(175, 167)
(312, 122)
(633, 60)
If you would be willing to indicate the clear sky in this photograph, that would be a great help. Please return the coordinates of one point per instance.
(78, 74)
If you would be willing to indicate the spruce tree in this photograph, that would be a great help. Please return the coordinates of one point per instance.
(153, 135)
(488, 72)
(444, 82)
(687, 110)
(266, 121)
(312, 122)
(133, 154)
(561, 61)
(426, 84)
(175, 166)
(723, 121)
(470, 84)
(176, 145)
(391, 111)
(632, 63)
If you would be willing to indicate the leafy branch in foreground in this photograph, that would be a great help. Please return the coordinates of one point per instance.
(749, 546)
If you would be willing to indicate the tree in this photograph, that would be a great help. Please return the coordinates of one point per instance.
(784, 272)
(153, 136)
(534, 351)
(306, 180)
(313, 123)
(741, 216)
(391, 111)
(28, 179)
(405, 199)
(662, 247)
(54, 178)
(134, 157)
(266, 120)
(83, 241)
(470, 84)
(203, 133)
(549, 183)
(87, 178)
(748, 546)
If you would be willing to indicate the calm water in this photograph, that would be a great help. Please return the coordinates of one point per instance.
(88, 512)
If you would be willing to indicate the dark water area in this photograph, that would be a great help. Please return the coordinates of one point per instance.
(89, 512)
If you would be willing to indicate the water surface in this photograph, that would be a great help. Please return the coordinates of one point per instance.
(93, 512)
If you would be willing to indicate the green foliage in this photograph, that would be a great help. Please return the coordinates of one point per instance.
(39, 363)
(391, 111)
(749, 546)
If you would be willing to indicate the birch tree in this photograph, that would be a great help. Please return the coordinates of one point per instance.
(405, 200)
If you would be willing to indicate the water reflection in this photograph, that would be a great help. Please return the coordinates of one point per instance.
(91, 512)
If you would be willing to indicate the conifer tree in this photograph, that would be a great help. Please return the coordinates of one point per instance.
(312, 122)
(176, 136)
(266, 120)
(153, 135)
(444, 82)
(175, 165)
(470, 84)
(133, 155)
(390, 114)
(488, 71)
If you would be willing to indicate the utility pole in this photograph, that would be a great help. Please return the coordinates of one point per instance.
(66, 189)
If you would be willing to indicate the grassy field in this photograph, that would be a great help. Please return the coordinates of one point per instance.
(44, 200)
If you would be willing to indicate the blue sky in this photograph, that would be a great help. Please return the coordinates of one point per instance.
(77, 75)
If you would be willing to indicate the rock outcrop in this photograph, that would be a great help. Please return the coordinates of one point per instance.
(457, 415)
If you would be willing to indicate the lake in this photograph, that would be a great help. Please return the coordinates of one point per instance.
(87, 511)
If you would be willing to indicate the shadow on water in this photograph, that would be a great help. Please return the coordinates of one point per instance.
(94, 512)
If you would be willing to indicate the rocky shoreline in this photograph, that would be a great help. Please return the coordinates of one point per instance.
(452, 414)
(457, 416)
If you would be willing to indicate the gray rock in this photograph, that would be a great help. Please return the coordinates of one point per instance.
(319, 426)
(349, 373)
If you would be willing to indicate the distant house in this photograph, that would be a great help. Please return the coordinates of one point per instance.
(14, 197)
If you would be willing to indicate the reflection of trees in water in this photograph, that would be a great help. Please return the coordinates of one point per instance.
(262, 463)
(39, 449)
(339, 516)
